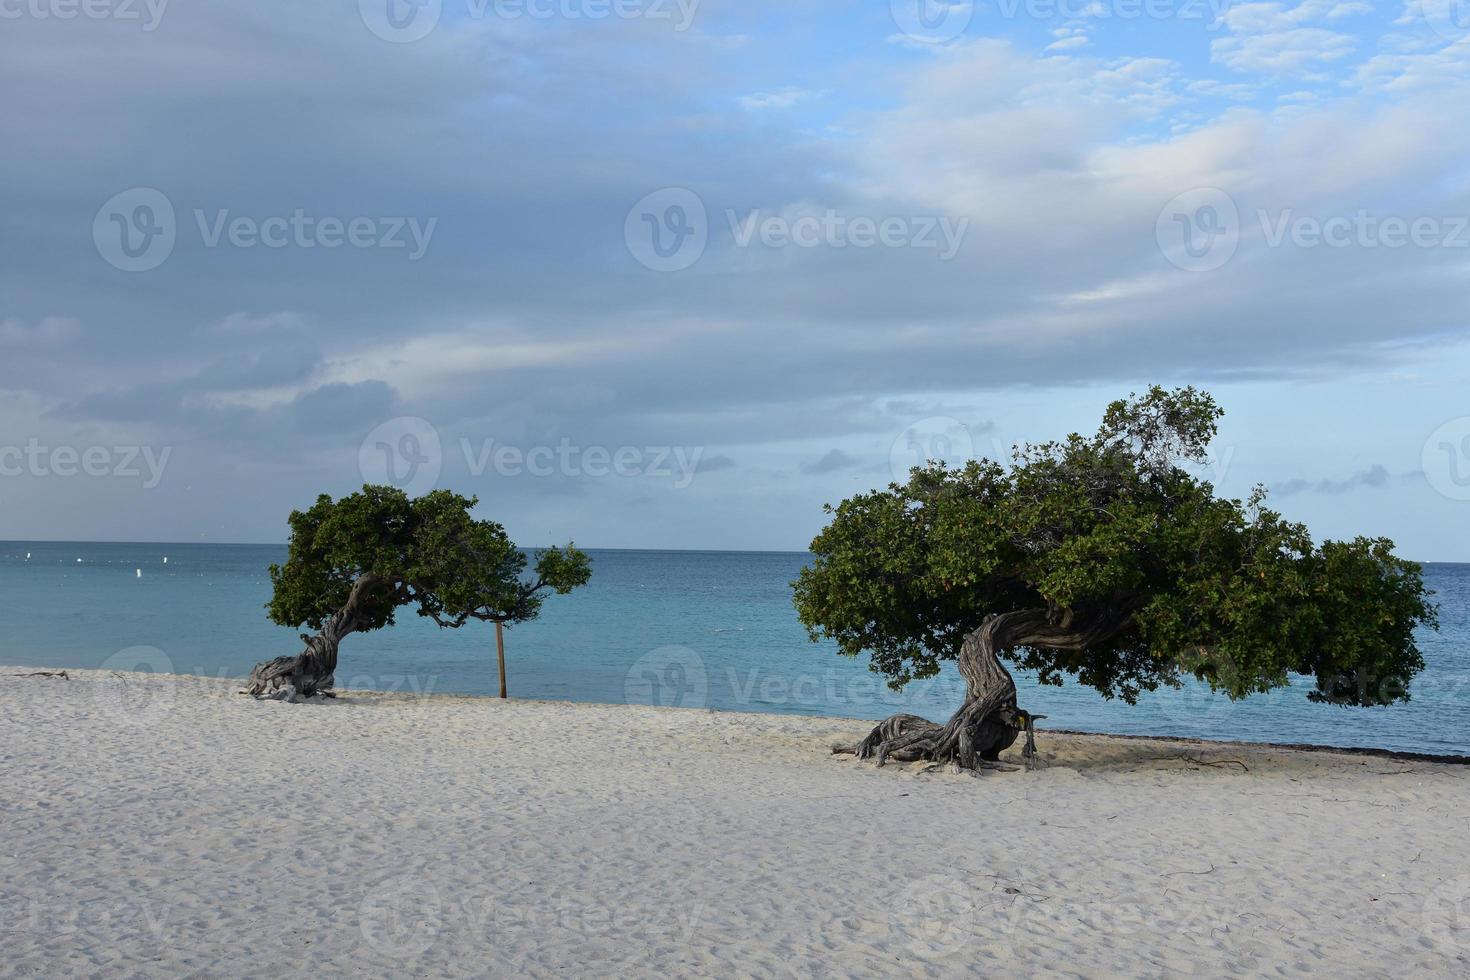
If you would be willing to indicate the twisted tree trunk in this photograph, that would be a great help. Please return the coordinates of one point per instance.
(989, 721)
(313, 670)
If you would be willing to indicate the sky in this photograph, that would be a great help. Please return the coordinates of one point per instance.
(664, 274)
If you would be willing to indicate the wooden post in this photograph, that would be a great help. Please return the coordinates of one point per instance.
(500, 654)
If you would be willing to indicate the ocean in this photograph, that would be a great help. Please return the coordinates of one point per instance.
(681, 628)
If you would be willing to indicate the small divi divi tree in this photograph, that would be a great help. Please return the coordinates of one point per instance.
(354, 562)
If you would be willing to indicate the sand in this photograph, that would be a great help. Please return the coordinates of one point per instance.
(165, 826)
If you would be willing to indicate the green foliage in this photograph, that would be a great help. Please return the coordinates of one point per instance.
(1110, 527)
(428, 553)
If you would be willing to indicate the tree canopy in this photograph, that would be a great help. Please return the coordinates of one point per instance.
(1134, 573)
(428, 553)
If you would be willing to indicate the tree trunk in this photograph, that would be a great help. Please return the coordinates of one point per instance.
(986, 724)
(312, 671)
(989, 722)
(500, 653)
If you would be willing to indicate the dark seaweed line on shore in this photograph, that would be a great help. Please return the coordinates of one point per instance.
(1453, 760)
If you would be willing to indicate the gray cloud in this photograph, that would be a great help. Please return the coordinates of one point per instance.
(1376, 476)
(832, 462)
(341, 407)
(713, 464)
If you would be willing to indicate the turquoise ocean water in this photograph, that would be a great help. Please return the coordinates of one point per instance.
(697, 629)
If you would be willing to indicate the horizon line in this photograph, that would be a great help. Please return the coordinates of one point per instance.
(721, 551)
(283, 544)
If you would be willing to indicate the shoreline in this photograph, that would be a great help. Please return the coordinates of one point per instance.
(1355, 750)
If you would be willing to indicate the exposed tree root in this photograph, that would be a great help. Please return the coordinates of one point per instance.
(989, 722)
(312, 672)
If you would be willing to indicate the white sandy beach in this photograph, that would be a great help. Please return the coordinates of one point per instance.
(163, 826)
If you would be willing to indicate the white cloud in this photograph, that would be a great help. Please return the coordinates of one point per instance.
(1064, 204)
(1273, 39)
(47, 331)
(1282, 52)
(249, 323)
(1440, 68)
(783, 99)
(1263, 18)
(1235, 91)
(1071, 43)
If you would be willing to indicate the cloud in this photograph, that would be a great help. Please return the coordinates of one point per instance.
(342, 407)
(1108, 289)
(1270, 37)
(713, 464)
(834, 461)
(1375, 476)
(1236, 91)
(1283, 52)
(1411, 72)
(48, 331)
(250, 324)
(783, 99)
(1071, 42)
